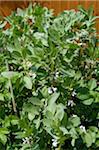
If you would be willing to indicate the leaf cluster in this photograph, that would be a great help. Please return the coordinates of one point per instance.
(49, 80)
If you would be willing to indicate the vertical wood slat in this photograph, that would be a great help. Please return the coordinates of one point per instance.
(7, 6)
(97, 14)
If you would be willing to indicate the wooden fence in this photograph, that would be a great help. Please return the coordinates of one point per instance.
(6, 6)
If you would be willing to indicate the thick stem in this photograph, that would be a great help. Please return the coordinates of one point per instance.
(12, 95)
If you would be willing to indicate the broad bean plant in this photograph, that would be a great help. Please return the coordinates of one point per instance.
(49, 80)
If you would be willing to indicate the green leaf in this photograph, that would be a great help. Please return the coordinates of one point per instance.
(73, 133)
(31, 110)
(31, 116)
(44, 91)
(92, 84)
(17, 55)
(75, 120)
(97, 143)
(78, 75)
(70, 73)
(53, 98)
(4, 131)
(93, 135)
(64, 120)
(68, 26)
(1, 97)
(47, 123)
(35, 101)
(52, 60)
(32, 113)
(97, 99)
(10, 48)
(88, 101)
(28, 82)
(9, 74)
(59, 112)
(93, 129)
(14, 121)
(3, 138)
(97, 89)
(97, 134)
(88, 139)
(37, 122)
(64, 130)
(83, 93)
(83, 96)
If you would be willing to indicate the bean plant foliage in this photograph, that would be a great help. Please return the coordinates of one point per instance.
(49, 80)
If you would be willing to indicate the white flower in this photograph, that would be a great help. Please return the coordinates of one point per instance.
(86, 67)
(69, 41)
(77, 38)
(80, 44)
(23, 38)
(54, 142)
(83, 128)
(73, 93)
(35, 93)
(31, 31)
(26, 140)
(32, 74)
(29, 64)
(74, 115)
(52, 89)
(74, 42)
(20, 68)
(71, 103)
(56, 75)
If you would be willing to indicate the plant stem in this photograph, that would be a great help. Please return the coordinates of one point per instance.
(11, 90)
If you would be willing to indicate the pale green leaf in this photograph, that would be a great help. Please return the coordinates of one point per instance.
(53, 98)
(9, 74)
(88, 101)
(64, 130)
(75, 120)
(3, 138)
(88, 139)
(28, 82)
(92, 84)
(31, 116)
(1, 97)
(59, 112)
(35, 101)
